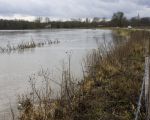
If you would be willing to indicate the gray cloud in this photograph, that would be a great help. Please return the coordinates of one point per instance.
(74, 8)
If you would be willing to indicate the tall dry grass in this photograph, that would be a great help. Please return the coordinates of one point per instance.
(109, 90)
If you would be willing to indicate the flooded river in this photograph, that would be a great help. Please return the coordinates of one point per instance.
(16, 67)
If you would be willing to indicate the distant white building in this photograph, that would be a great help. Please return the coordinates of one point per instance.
(48, 26)
(129, 27)
(96, 19)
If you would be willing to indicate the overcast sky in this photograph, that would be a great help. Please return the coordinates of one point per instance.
(72, 8)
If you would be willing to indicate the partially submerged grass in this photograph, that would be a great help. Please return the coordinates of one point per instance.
(26, 46)
(109, 90)
(119, 73)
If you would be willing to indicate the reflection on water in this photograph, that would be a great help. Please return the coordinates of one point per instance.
(118, 39)
(15, 68)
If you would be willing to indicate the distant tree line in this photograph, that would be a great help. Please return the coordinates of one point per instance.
(73, 24)
(19, 24)
(118, 20)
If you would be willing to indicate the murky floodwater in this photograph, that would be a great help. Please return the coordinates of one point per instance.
(15, 68)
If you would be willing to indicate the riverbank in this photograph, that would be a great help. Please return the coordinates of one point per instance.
(119, 73)
(109, 90)
(114, 80)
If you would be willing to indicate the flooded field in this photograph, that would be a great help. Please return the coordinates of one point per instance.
(17, 66)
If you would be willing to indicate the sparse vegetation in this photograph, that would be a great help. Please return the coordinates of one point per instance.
(26, 45)
(109, 90)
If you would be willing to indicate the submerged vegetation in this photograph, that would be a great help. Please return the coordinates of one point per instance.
(109, 90)
(26, 46)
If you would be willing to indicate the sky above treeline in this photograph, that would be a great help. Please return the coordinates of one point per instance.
(29, 9)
